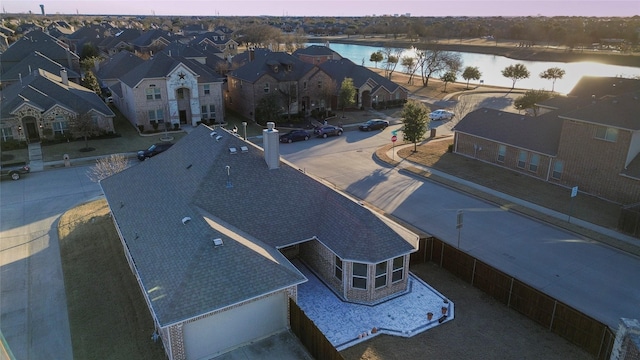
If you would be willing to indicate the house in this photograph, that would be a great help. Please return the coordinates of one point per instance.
(589, 139)
(151, 42)
(90, 35)
(50, 47)
(220, 40)
(316, 54)
(119, 42)
(210, 239)
(300, 85)
(373, 90)
(43, 105)
(32, 62)
(109, 71)
(172, 90)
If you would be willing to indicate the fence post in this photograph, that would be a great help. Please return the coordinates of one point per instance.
(553, 314)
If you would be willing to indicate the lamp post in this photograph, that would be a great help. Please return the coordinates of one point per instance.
(19, 132)
(244, 125)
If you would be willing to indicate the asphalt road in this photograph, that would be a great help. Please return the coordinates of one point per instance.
(33, 307)
(593, 278)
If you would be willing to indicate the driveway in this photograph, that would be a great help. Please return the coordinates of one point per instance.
(34, 317)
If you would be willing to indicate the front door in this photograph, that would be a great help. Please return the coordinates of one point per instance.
(183, 116)
(32, 132)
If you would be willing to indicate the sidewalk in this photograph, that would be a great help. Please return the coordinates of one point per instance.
(595, 232)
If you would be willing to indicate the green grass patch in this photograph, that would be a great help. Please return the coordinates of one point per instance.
(108, 316)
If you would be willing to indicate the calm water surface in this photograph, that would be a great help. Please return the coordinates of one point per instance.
(491, 67)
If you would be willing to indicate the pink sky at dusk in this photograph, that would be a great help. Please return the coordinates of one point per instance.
(599, 8)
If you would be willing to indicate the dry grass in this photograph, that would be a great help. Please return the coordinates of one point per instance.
(107, 313)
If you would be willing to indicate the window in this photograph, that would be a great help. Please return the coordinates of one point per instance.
(6, 133)
(533, 162)
(304, 85)
(398, 269)
(156, 115)
(180, 94)
(608, 134)
(207, 89)
(266, 88)
(502, 151)
(208, 111)
(381, 274)
(319, 84)
(522, 159)
(359, 278)
(153, 93)
(60, 125)
(338, 268)
(558, 165)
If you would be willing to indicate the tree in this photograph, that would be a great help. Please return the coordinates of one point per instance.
(376, 57)
(449, 76)
(530, 99)
(268, 108)
(471, 73)
(347, 94)
(409, 65)
(84, 126)
(554, 74)
(415, 120)
(107, 166)
(515, 72)
(91, 82)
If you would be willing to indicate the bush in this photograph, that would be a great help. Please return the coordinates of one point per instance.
(450, 148)
(12, 144)
(141, 128)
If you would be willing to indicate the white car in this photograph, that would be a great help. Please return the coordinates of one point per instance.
(441, 114)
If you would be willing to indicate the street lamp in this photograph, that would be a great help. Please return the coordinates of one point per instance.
(244, 125)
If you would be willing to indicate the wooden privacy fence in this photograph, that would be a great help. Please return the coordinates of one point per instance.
(563, 320)
(311, 337)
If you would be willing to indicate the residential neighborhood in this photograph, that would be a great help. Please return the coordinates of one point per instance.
(221, 233)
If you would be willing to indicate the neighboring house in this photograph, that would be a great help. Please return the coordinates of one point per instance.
(54, 49)
(109, 72)
(220, 40)
(90, 35)
(298, 83)
(589, 139)
(210, 239)
(119, 42)
(373, 90)
(171, 90)
(24, 29)
(42, 105)
(34, 62)
(151, 42)
(316, 54)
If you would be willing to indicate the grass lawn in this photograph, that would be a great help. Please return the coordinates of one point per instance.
(108, 316)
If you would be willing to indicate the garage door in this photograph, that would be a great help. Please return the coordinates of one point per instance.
(224, 331)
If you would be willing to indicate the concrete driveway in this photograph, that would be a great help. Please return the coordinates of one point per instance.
(33, 306)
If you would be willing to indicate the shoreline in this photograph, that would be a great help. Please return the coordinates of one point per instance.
(535, 53)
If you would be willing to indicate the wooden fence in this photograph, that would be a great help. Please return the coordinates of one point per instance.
(561, 319)
(311, 337)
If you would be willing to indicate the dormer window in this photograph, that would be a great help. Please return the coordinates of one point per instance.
(266, 88)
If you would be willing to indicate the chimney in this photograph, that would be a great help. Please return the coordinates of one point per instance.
(251, 53)
(63, 75)
(271, 143)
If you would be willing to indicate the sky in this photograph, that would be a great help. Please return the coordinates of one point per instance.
(598, 8)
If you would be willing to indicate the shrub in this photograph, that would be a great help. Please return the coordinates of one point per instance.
(450, 148)
(12, 144)
(141, 128)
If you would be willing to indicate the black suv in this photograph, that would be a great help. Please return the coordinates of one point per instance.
(328, 130)
(153, 150)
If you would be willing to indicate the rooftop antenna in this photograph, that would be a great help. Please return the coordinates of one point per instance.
(229, 185)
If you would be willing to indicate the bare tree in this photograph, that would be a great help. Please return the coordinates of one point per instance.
(434, 62)
(107, 166)
(84, 126)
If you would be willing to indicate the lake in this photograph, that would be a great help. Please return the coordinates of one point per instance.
(491, 67)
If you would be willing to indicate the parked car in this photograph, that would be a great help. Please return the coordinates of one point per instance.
(294, 135)
(328, 130)
(153, 150)
(374, 124)
(441, 114)
(15, 171)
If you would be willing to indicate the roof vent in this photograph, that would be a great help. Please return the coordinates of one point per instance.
(218, 138)
(217, 242)
(185, 220)
(244, 149)
(233, 150)
(213, 133)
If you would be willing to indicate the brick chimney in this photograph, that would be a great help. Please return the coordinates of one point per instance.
(64, 76)
(271, 143)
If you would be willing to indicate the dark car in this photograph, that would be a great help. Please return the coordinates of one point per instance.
(374, 124)
(294, 135)
(153, 150)
(328, 130)
(15, 171)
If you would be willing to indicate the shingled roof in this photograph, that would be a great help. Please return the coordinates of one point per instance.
(341, 69)
(236, 198)
(263, 63)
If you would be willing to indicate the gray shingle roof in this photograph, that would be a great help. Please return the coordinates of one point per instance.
(540, 134)
(46, 90)
(616, 111)
(183, 274)
(36, 41)
(315, 50)
(263, 63)
(33, 62)
(341, 69)
(118, 65)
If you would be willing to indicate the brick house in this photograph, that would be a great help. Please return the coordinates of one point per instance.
(316, 54)
(589, 138)
(170, 91)
(213, 259)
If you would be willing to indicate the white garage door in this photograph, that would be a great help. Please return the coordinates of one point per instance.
(222, 332)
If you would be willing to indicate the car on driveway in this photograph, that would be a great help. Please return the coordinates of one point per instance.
(441, 114)
(294, 135)
(328, 130)
(15, 171)
(374, 124)
(153, 150)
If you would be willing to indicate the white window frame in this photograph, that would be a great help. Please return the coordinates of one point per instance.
(59, 125)
(381, 274)
(522, 159)
(502, 152)
(6, 133)
(206, 88)
(153, 93)
(558, 168)
(534, 161)
(359, 277)
(397, 270)
(267, 88)
(338, 272)
(156, 115)
(606, 133)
